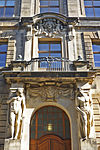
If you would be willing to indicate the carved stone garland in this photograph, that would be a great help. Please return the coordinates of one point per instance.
(50, 93)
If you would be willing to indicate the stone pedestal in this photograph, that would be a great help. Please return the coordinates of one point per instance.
(11, 144)
(89, 144)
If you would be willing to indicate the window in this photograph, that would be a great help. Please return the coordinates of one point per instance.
(3, 53)
(49, 6)
(92, 8)
(96, 53)
(7, 8)
(50, 49)
(50, 120)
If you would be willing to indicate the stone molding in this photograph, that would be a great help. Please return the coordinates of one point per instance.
(8, 34)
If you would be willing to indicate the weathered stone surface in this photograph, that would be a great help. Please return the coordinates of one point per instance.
(89, 144)
(12, 144)
(76, 40)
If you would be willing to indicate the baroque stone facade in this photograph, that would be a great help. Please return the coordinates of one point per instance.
(49, 65)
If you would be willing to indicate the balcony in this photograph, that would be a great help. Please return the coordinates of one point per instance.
(47, 68)
(43, 64)
(49, 64)
(52, 64)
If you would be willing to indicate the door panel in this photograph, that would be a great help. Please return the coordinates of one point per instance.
(51, 142)
(45, 145)
(56, 145)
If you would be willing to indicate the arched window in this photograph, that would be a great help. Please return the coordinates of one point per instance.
(50, 120)
(50, 129)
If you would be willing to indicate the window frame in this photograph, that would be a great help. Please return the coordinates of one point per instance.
(95, 42)
(91, 6)
(4, 52)
(5, 6)
(50, 6)
(49, 43)
(49, 52)
(46, 109)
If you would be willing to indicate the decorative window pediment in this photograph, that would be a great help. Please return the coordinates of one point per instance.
(49, 27)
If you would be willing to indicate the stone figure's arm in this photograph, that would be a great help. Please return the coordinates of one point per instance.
(11, 100)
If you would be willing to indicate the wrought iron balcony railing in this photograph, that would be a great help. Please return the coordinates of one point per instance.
(48, 64)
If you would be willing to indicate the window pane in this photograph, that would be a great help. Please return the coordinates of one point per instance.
(89, 12)
(2, 3)
(53, 9)
(97, 64)
(97, 60)
(97, 57)
(53, 3)
(88, 3)
(96, 48)
(3, 47)
(10, 3)
(55, 47)
(55, 54)
(9, 12)
(43, 47)
(1, 12)
(2, 60)
(96, 3)
(97, 12)
(43, 54)
(44, 3)
(43, 10)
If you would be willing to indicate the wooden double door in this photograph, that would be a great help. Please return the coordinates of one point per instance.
(50, 142)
